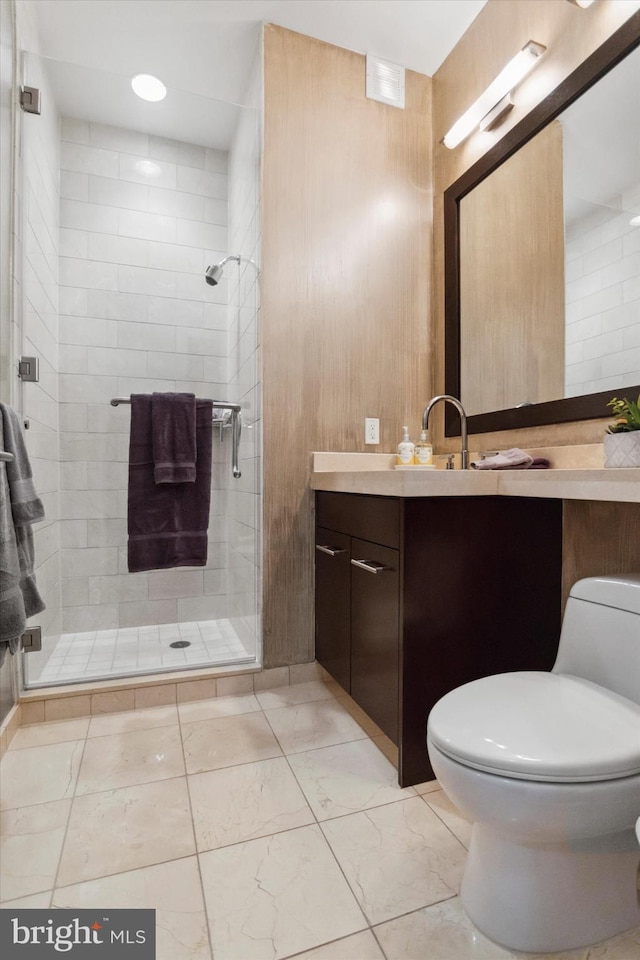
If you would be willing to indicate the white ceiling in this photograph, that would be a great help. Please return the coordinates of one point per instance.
(205, 46)
(100, 97)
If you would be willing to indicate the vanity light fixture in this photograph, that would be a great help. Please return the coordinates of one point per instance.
(495, 93)
(497, 115)
(148, 87)
(582, 3)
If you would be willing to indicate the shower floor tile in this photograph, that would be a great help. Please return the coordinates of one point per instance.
(107, 653)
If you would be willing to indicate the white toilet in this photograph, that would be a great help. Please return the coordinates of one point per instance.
(547, 766)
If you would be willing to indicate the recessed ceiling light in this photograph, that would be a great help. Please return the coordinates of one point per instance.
(634, 222)
(148, 87)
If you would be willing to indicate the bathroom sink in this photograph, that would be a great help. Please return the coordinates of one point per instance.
(412, 482)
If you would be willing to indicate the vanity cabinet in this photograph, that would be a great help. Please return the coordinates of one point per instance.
(416, 596)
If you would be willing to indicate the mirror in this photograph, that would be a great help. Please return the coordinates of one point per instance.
(542, 308)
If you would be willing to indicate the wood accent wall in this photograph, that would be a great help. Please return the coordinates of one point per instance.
(346, 293)
(501, 29)
(599, 538)
(512, 281)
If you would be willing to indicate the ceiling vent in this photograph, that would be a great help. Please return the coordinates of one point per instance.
(385, 82)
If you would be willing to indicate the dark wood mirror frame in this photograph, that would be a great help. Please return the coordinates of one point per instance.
(589, 406)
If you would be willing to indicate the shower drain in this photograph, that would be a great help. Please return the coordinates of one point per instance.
(180, 643)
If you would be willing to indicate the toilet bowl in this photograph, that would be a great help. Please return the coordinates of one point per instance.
(547, 766)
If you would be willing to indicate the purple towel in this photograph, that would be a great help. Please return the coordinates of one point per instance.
(173, 425)
(513, 459)
(167, 523)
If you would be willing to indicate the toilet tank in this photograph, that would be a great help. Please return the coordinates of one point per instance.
(600, 638)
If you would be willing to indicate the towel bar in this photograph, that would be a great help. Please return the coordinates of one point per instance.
(236, 426)
(6, 457)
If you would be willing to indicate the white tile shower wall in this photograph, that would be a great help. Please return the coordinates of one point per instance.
(603, 298)
(38, 311)
(245, 495)
(141, 217)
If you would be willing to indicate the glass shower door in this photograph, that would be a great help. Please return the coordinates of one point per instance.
(125, 208)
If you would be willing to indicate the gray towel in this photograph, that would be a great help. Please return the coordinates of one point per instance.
(19, 508)
(26, 506)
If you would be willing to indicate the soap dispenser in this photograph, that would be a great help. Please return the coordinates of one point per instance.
(423, 450)
(405, 449)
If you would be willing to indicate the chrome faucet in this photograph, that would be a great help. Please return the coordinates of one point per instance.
(464, 454)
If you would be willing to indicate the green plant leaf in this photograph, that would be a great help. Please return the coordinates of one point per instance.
(627, 414)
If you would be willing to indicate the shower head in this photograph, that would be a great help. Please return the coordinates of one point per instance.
(214, 272)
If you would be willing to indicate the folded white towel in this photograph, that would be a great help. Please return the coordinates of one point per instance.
(513, 459)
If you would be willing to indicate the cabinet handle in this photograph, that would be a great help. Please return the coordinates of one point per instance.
(370, 566)
(332, 551)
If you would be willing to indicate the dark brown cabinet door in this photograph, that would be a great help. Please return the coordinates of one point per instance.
(333, 619)
(375, 579)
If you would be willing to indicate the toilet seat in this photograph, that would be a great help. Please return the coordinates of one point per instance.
(539, 726)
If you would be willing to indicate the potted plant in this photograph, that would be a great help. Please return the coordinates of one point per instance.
(622, 439)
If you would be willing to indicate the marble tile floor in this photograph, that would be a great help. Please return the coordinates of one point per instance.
(260, 827)
(98, 654)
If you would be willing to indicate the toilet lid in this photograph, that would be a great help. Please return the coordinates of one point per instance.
(539, 726)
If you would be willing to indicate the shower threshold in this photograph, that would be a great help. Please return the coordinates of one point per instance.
(135, 651)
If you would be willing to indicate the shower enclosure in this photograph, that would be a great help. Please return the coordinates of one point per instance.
(123, 206)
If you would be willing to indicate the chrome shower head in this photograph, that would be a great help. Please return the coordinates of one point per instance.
(214, 272)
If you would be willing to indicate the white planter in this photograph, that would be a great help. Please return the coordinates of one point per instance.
(622, 449)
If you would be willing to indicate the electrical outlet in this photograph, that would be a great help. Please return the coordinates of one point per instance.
(371, 430)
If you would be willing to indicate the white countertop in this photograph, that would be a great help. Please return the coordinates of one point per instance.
(354, 474)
